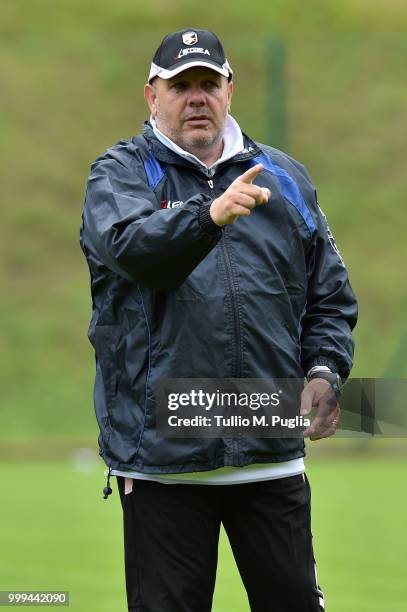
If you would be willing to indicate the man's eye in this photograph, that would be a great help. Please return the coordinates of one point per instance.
(180, 86)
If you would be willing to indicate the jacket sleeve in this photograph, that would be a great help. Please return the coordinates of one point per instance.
(122, 226)
(331, 309)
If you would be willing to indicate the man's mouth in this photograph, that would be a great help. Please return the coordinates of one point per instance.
(198, 120)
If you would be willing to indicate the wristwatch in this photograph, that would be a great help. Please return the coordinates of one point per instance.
(333, 379)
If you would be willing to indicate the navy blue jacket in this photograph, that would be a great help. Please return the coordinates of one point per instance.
(175, 296)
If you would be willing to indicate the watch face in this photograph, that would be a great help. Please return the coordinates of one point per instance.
(337, 385)
(333, 379)
(338, 381)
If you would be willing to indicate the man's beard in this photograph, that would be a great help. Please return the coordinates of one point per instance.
(200, 142)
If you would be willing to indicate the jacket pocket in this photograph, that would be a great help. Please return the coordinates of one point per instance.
(106, 342)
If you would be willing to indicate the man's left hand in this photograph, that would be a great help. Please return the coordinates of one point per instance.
(318, 392)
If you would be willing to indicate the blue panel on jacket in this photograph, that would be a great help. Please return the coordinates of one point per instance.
(289, 188)
(154, 171)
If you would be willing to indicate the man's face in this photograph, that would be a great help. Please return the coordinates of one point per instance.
(191, 108)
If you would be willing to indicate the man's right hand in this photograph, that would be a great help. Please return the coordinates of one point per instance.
(239, 198)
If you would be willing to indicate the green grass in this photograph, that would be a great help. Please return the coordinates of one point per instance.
(56, 532)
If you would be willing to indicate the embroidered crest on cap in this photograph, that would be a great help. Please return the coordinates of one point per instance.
(190, 38)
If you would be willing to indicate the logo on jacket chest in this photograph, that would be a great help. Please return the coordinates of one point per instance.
(171, 203)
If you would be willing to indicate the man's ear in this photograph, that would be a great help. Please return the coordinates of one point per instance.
(150, 97)
(230, 94)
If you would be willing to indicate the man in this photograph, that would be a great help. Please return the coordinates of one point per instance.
(210, 258)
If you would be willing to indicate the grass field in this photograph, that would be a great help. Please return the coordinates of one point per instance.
(56, 532)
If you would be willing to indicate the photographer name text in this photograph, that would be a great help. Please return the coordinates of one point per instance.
(238, 421)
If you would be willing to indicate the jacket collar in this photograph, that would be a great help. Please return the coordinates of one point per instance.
(166, 155)
(232, 143)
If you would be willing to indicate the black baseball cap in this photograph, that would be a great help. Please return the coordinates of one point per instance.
(186, 49)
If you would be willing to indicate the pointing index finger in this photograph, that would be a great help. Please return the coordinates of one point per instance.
(250, 174)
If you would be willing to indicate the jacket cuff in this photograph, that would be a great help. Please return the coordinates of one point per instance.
(323, 361)
(205, 220)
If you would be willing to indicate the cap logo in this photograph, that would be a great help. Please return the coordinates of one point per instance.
(190, 38)
(190, 50)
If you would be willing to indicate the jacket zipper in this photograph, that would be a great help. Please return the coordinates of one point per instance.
(237, 357)
(233, 291)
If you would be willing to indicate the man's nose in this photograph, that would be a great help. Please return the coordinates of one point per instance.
(197, 96)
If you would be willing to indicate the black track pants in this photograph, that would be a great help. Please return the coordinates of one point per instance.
(171, 536)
